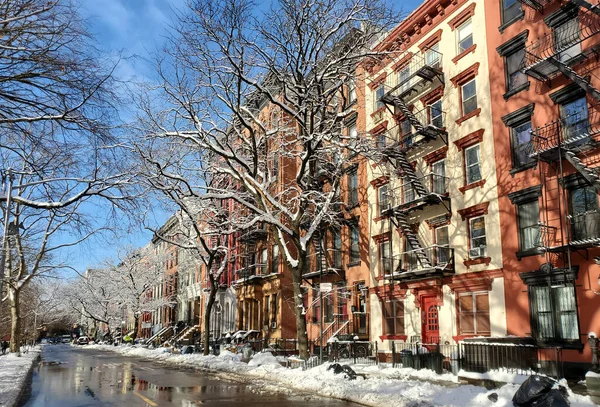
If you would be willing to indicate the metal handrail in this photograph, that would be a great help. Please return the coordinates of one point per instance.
(545, 47)
(406, 78)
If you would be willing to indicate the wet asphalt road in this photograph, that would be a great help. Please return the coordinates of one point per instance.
(70, 377)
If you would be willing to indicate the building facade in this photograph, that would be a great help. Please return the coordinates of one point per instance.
(546, 123)
(435, 252)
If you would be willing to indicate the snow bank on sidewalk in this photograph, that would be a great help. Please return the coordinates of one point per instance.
(384, 387)
(13, 375)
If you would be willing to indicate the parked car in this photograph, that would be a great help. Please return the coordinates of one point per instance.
(66, 339)
(83, 340)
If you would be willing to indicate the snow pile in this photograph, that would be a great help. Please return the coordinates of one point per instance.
(383, 386)
(264, 358)
(13, 375)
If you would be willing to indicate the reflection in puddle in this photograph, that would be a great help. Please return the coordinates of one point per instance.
(67, 378)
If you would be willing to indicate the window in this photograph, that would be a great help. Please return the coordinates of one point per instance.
(264, 261)
(554, 312)
(575, 118)
(384, 199)
(511, 9)
(385, 258)
(464, 36)
(512, 63)
(327, 308)
(469, 97)
(438, 177)
(521, 144)
(379, 92)
(274, 301)
(337, 248)
(528, 216)
(354, 244)
(266, 309)
(352, 188)
(404, 78)
(406, 133)
(567, 40)
(342, 300)
(584, 210)
(351, 92)
(433, 56)
(477, 240)
(436, 117)
(474, 314)
(393, 314)
(473, 164)
(442, 242)
(275, 259)
(409, 191)
(381, 141)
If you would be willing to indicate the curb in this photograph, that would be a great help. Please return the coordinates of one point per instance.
(25, 384)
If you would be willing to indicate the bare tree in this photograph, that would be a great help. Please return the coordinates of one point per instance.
(60, 158)
(263, 100)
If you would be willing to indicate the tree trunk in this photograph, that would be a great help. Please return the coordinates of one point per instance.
(136, 326)
(301, 334)
(15, 321)
(207, 313)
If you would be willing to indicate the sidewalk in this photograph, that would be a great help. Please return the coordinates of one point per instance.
(384, 386)
(14, 373)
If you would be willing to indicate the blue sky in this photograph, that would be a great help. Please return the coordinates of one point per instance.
(134, 30)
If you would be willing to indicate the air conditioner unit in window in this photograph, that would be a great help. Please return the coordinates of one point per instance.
(273, 325)
(477, 252)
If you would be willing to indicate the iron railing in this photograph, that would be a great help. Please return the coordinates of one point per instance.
(406, 194)
(536, 4)
(420, 68)
(439, 257)
(575, 130)
(585, 227)
(252, 270)
(562, 44)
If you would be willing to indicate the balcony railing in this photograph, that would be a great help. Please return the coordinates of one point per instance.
(440, 258)
(254, 270)
(536, 4)
(435, 185)
(573, 131)
(585, 227)
(422, 68)
(253, 233)
(562, 44)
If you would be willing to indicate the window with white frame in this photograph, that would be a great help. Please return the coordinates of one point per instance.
(384, 198)
(385, 258)
(433, 56)
(464, 36)
(473, 164)
(377, 103)
(469, 97)
(435, 114)
(477, 238)
(351, 92)
(438, 177)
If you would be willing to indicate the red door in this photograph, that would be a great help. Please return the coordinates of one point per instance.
(430, 326)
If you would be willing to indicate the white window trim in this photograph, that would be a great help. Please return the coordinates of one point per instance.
(468, 166)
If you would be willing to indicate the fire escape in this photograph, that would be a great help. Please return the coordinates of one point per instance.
(252, 269)
(574, 137)
(417, 191)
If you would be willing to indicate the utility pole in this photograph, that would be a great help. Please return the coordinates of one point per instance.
(7, 183)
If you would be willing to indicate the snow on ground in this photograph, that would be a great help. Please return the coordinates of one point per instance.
(13, 375)
(384, 386)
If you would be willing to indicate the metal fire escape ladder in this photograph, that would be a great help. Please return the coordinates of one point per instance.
(414, 121)
(412, 240)
(583, 83)
(408, 173)
(589, 174)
